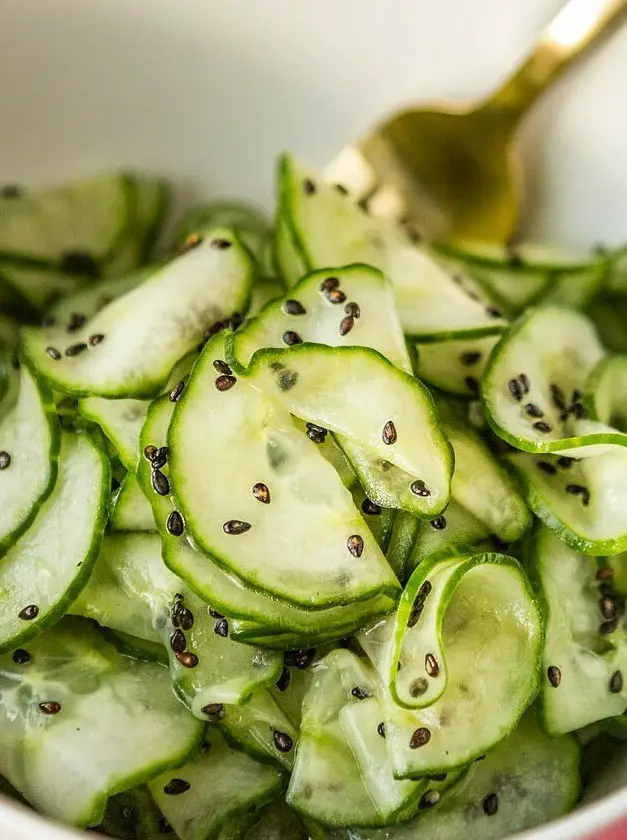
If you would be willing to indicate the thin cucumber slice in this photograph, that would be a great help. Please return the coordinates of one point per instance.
(579, 500)
(248, 438)
(609, 315)
(534, 382)
(118, 725)
(311, 311)
(277, 822)
(450, 609)
(455, 367)
(526, 780)
(29, 434)
(133, 815)
(130, 509)
(480, 484)
(209, 667)
(389, 415)
(217, 785)
(325, 762)
(225, 591)
(583, 664)
(147, 330)
(251, 727)
(461, 533)
(404, 533)
(135, 647)
(151, 202)
(43, 571)
(320, 227)
(604, 395)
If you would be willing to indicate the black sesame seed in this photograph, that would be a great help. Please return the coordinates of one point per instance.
(79, 263)
(336, 296)
(53, 353)
(5, 460)
(220, 244)
(420, 738)
(472, 384)
(346, 324)
(418, 687)
(160, 483)
(419, 488)
(178, 642)
(261, 493)
(439, 524)
(381, 729)
(493, 312)
(150, 452)
(607, 607)
(176, 786)
(429, 799)
(370, 508)
(76, 349)
(221, 628)
(301, 659)
(565, 462)
(221, 367)
(329, 284)
(576, 396)
(186, 618)
(431, 665)
(215, 710)
(96, 339)
(359, 694)
(287, 379)
(616, 682)
(470, 358)
(355, 545)
(309, 188)
(490, 804)
(291, 338)
(282, 741)
(176, 392)
(21, 656)
(214, 613)
(341, 189)
(608, 627)
(187, 659)
(557, 395)
(11, 191)
(294, 307)
(579, 490)
(542, 426)
(605, 573)
(524, 381)
(352, 309)
(235, 527)
(554, 674)
(533, 410)
(416, 612)
(579, 411)
(77, 320)
(389, 434)
(425, 589)
(546, 467)
(50, 707)
(284, 680)
(225, 382)
(160, 459)
(29, 613)
(515, 389)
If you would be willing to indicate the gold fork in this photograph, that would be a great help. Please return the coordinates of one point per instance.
(450, 170)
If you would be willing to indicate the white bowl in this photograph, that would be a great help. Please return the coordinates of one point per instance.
(209, 92)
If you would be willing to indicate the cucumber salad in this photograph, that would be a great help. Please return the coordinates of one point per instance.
(308, 529)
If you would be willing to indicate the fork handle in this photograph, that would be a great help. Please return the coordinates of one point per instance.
(579, 25)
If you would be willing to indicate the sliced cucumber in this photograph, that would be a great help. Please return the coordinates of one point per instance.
(224, 591)
(130, 509)
(404, 533)
(488, 597)
(534, 382)
(480, 484)
(357, 393)
(260, 455)
(605, 390)
(262, 292)
(526, 780)
(219, 784)
(43, 572)
(609, 315)
(277, 822)
(461, 533)
(147, 330)
(585, 653)
(581, 501)
(135, 647)
(320, 227)
(118, 723)
(133, 815)
(29, 436)
(455, 366)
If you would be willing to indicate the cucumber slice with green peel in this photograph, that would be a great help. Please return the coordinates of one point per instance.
(455, 367)
(251, 727)
(255, 447)
(461, 533)
(327, 784)
(218, 784)
(206, 667)
(585, 653)
(135, 647)
(43, 572)
(248, 221)
(224, 591)
(450, 609)
(604, 392)
(320, 227)
(147, 330)
(526, 780)
(130, 509)
(404, 533)
(151, 203)
(250, 633)
(29, 436)
(609, 315)
(357, 393)
(480, 484)
(579, 500)
(310, 312)
(81, 722)
(534, 381)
